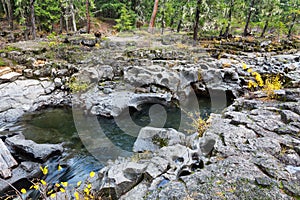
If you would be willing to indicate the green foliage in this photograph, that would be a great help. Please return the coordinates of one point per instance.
(126, 20)
(2, 63)
(9, 49)
(161, 142)
(76, 85)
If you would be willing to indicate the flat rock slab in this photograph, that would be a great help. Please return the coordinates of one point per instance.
(7, 161)
(9, 77)
(32, 150)
(4, 70)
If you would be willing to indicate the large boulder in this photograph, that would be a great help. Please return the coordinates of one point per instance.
(152, 139)
(32, 150)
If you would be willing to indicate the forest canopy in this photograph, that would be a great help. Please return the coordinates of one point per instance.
(210, 17)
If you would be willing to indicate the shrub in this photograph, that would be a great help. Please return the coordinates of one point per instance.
(126, 20)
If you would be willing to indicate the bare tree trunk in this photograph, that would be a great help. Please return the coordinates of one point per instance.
(292, 25)
(67, 24)
(179, 25)
(152, 21)
(4, 8)
(229, 18)
(32, 16)
(10, 15)
(197, 16)
(163, 19)
(266, 24)
(248, 18)
(265, 28)
(88, 25)
(73, 17)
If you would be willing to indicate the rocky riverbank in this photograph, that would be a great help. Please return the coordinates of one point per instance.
(250, 151)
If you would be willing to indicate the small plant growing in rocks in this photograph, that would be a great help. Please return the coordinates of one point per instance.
(269, 85)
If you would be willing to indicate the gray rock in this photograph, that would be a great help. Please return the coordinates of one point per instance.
(206, 145)
(32, 150)
(26, 170)
(288, 116)
(9, 77)
(120, 178)
(137, 193)
(156, 167)
(58, 82)
(152, 139)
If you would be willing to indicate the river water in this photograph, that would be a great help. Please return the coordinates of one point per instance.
(57, 126)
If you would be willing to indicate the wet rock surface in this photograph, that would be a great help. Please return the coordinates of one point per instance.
(21, 159)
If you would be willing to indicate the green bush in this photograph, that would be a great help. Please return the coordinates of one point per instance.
(126, 20)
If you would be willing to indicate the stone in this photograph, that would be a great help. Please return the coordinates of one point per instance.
(32, 150)
(137, 193)
(156, 167)
(9, 77)
(206, 145)
(288, 116)
(7, 161)
(120, 178)
(152, 139)
(26, 170)
(58, 82)
(4, 70)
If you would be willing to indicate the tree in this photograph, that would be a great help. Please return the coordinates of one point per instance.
(9, 12)
(269, 9)
(88, 25)
(196, 23)
(126, 20)
(32, 17)
(250, 11)
(152, 20)
(231, 8)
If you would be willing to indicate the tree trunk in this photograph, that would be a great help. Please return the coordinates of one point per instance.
(248, 18)
(229, 18)
(179, 25)
(265, 28)
(32, 17)
(4, 8)
(67, 24)
(266, 24)
(152, 21)
(10, 15)
(292, 25)
(73, 17)
(162, 21)
(196, 25)
(88, 25)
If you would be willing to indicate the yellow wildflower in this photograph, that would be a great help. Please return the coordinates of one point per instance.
(59, 168)
(36, 187)
(86, 190)
(44, 170)
(244, 66)
(79, 183)
(76, 195)
(65, 184)
(23, 191)
(50, 192)
(43, 182)
(57, 185)
(53, 195)
(252, 84)
(250, 70)
(92, 174)
(62, 189)
(89, 186)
